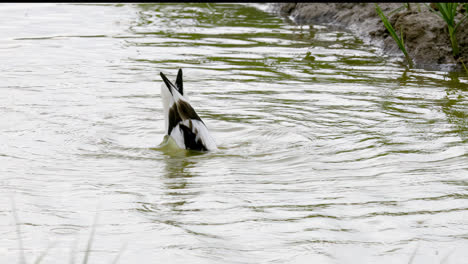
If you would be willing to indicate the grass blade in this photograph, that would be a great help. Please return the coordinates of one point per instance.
(18, 232)
(73, 250)
(448, 12)
(461, 60)
(413, 255)
(445, 258)
(396, 10)
(459, 23)
(399, 41)
(91, 238)
(433, 11)
(116, 259)
(41, 257)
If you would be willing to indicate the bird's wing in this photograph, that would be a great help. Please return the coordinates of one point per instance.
(193, 134)
(187, 129)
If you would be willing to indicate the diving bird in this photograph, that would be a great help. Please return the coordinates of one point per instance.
(183, 124)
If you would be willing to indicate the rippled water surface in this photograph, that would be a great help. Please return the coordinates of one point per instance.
(328, 152)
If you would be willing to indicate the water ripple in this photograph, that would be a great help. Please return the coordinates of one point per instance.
(328, 151)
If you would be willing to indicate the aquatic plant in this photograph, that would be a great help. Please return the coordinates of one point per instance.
(90, 239)
(464, 66)
(22, 256)
(448, 12)
(18, 232)
(397, 10)
(409, 7)
(398, 39)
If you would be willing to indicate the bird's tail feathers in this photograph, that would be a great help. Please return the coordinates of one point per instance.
(178, 83)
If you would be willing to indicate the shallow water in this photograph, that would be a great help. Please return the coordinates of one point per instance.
(329, 152)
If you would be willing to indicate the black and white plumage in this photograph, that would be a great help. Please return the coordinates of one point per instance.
(183, 124)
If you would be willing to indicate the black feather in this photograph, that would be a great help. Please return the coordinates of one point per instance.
(167, 82)
(190, 139)
(186, 111)
(174, 118)
(178, 82)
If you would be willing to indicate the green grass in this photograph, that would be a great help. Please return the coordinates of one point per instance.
(398, 39)
(448, 12)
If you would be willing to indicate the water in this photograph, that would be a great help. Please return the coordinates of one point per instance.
(329, 152)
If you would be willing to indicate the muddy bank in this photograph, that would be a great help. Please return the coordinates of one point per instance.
(426, 34)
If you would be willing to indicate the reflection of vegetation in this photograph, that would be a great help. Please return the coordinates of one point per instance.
(309, 57)
(453, 105)
(250, 40)
(403, 79)
(210, 15)
(247, 45)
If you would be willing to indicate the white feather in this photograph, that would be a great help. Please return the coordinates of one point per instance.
(168, 101)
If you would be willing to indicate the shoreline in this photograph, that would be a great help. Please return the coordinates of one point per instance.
(425, 33)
